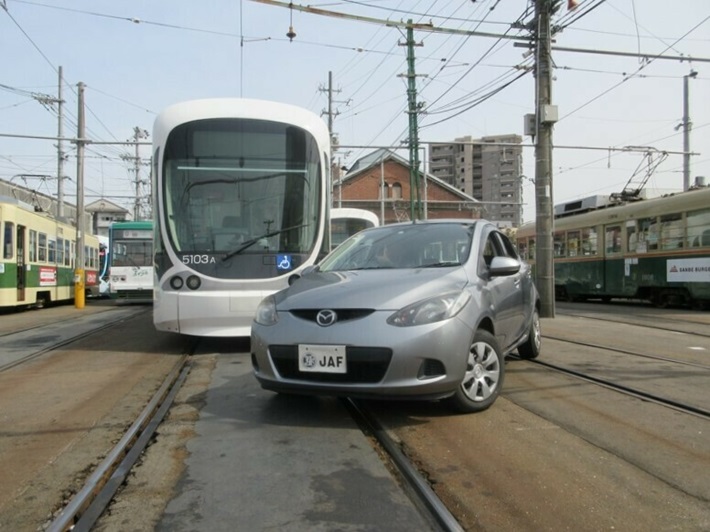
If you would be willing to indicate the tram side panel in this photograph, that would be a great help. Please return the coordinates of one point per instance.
(38, 257)
(657, 249)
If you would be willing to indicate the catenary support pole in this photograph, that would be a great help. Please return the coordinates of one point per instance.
(545, 118)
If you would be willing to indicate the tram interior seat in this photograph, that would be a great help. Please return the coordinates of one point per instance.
(231, 234)
(702, 240)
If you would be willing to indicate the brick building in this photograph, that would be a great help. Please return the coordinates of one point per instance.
(381, 171)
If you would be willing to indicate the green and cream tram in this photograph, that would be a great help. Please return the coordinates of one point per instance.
(39, 257)
(652, 249)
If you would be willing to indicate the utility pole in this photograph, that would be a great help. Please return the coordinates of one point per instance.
(335, 167)
(545, 117)
(687, 126)
(60, 150)
(138, 134)
(79, 283)
(413, 111)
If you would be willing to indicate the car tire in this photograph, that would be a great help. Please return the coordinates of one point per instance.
(531, 347)
(483, 379)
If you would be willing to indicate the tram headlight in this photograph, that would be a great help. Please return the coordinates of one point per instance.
(176, 283)
(266, 312)
(193, 282)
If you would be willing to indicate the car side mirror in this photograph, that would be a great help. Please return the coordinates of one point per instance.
(503, 266)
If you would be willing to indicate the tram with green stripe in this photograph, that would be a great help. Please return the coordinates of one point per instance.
(38, 258)
(651, 249)
(130, 269)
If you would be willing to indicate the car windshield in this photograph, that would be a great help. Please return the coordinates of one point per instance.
(417, 245)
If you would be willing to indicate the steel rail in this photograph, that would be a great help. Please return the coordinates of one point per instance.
(421, 489)
(67, 341)
(626, 352)
(627, 321)
(85, 508)
(670, 403)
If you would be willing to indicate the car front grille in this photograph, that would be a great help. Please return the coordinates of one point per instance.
(365, 365)
(344, 314)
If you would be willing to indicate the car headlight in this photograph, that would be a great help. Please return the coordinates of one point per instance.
(266, 312)
(430, 310)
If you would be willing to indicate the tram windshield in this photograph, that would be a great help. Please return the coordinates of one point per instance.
(240, 187)
(134, 253)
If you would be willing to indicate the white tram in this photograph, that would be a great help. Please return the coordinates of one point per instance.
(241, 193)
(345, 222)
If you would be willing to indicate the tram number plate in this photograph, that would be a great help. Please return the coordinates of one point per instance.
(322, 358)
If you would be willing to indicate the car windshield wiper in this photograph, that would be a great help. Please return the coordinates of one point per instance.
(251, 242)
(440, 264)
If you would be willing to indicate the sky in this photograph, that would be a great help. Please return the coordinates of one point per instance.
(136, 58)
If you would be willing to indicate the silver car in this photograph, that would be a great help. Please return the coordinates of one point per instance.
(417, 310)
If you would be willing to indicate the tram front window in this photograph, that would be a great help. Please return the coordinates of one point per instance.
(241, 187)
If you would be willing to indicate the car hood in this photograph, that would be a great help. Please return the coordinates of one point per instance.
(375, 289)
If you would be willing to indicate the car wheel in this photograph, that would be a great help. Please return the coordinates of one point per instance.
(483, 378)
(531, 347)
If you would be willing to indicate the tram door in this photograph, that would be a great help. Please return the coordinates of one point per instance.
(21, 269)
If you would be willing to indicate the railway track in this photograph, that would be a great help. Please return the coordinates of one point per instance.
(26, 344)
(87, 506)
(627, 390)
(694, 323)
(627, 352)
(636, 373)
(416, 484)
(90, 502)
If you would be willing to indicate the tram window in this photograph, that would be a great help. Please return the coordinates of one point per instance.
(42, 248)
(8, 240)
(589, 241)
(67, 253)
(698, 223)
(632, 238)
(559, 244)
(573, 243)
(60, 251)
(33, 246)
(612, 239)
(52, 256)
(671, 231)
(648, 235)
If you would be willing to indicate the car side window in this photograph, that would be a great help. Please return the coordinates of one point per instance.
(496, 245)
(489, 250)
(506, 246)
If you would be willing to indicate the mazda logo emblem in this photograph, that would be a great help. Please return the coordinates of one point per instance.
(325, 318)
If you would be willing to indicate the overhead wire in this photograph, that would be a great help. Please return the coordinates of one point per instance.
(632, 75)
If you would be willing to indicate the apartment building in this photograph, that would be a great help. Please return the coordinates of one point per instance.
(488, 169)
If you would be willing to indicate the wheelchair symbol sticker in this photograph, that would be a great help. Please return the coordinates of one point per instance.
(283, 262)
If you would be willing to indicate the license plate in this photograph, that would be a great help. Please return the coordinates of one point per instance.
(322, 358)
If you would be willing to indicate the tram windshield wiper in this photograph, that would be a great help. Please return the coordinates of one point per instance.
(249, 243)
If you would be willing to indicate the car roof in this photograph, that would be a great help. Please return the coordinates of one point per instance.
(437, 221)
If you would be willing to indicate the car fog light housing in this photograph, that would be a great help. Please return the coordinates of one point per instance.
(176, 283)
(193, 282)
